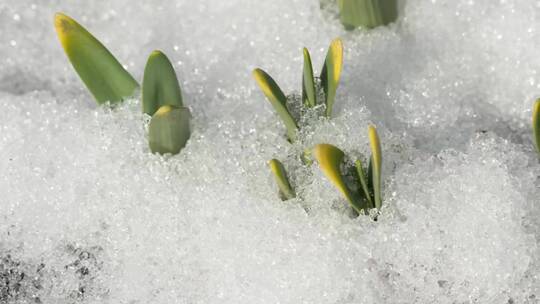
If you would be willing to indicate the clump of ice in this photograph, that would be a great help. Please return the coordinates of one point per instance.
(89, 215)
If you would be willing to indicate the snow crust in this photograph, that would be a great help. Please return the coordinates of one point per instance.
(89, 215)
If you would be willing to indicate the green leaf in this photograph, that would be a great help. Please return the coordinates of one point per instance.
(160, 85)
(280, 175)
(536, 124)
(376, 164)
(102, 74)
(308, 83)
(278, 100)
(363, 182)
(331, 73)
(169, 129)
(330, 159)
(367, 13)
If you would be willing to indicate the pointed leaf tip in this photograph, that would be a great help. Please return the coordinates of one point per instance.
(160, 84)
(102, 74)
(330, 159)
(277, 99)
(536, 123)
(156, 53)
(63, 24)
(305, 51)
(269, 87)
(280, 176)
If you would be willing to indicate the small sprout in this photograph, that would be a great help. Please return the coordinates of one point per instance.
(309, 91)
(169, 130)
(278, 100)
(330, 159)
(368, 195)
(160, 86)
(330, 76)
(364, 185)
(102, 74)
(280, 175)
(375, 165)
(331, 73)
(536, 124)
(367, 13)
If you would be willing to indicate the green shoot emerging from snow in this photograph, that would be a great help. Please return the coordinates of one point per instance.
(367, 13)
(330, 76)
(280, 175)
(368, 193)
(102, 74)
(169, 130)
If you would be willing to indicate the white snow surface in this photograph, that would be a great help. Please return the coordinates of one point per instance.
(89, 215)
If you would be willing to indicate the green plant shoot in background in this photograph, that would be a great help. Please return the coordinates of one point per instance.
(108, 81)
(367, 13)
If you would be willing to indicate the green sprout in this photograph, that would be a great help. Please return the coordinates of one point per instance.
(107, 80)
(286, 192)
(367, 13)
(169, 130)
(102, 74)
(329, 78)
(536, 124)
(368, 195)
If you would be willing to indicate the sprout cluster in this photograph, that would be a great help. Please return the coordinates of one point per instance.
(108, 81)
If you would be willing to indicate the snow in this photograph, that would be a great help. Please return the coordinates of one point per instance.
(89, 215)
